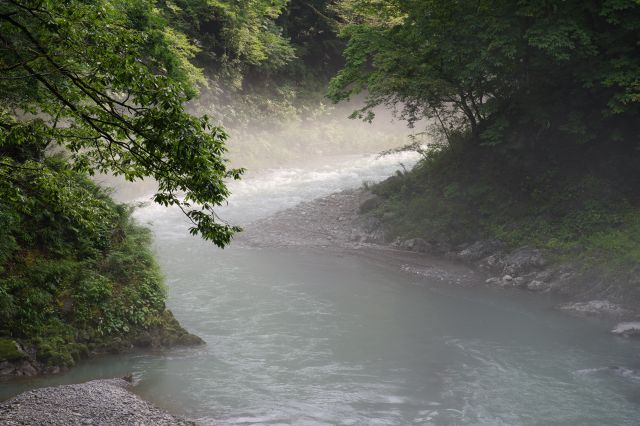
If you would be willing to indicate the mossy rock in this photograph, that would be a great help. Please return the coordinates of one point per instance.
(9, 351)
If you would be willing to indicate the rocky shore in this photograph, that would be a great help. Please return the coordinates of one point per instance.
(341, 220)
(98, 402)
(337, 222)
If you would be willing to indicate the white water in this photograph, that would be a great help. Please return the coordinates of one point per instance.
(321, 338)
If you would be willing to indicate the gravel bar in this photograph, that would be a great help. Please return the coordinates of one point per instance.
(98, 402)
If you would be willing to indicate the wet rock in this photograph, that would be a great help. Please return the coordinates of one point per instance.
(369, 230)
(416, 244)
(518, 281)
(537, 285)
(494, 281)
(544, 275)
(189, 339)
(627, 329)
(595, 307)
(21, 368)
(523, 260)
(143, 340)
(480, 249)
(369, 202)
(492, 262)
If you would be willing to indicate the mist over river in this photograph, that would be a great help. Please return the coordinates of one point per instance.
(327, 337)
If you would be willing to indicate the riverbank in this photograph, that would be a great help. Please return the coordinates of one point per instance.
(303, 324)
(344, 221)
(19, 358)
(98, 402)
(78, 277)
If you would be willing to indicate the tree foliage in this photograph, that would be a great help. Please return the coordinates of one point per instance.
(107, 81)
(233, 36)
(514, 74)
(74, 268)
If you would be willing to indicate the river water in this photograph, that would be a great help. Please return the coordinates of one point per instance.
(313, 337)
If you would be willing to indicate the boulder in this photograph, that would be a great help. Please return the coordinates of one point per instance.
(523, 260)
(369, 202)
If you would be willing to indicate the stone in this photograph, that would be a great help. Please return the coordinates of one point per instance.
(101, 402)
(595, 307)
(480, 249)
(143, 340)
(189, 339)
(369, 202)
(627, 329)
(523, 260)
(537, 285)
(491, 262)
(416, 244)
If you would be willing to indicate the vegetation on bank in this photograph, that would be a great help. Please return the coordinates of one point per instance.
(75, 270)
(451, 198)
(110, 86)
(535, 108)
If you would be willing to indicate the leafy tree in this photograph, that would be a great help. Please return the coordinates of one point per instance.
(107, 81)
(513, 74)
(233, 36)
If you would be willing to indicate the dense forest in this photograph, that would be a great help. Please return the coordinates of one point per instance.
(532, 107)
(535, 110)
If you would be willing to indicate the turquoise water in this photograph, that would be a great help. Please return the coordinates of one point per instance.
(311, 337)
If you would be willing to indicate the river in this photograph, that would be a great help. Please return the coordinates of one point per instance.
(321, 337)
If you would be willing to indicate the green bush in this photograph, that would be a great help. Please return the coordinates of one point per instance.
(460, 195)
(74, 267)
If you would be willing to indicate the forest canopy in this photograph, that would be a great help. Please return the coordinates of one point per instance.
(515, 74)
(107, 81)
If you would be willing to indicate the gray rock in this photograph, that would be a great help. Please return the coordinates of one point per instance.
(416, 244)
(480, 249)
(627, 329)
(544, 275)
(369, 202)
(523, 260)
(491, 262)
(595, 307)
(537, 285)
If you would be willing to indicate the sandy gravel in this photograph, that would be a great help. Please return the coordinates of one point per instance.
(323, 222)
(99, 402)
(334, 223)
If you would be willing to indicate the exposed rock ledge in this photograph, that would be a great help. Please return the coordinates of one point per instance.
(99, 402)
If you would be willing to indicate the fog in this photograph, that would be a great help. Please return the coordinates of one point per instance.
(321, 136)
